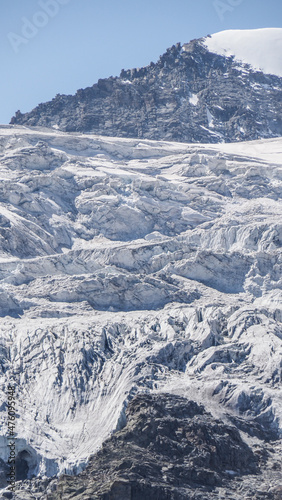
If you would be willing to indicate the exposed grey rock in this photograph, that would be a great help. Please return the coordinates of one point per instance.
(189, 95)
(4, 470)
(169, 449)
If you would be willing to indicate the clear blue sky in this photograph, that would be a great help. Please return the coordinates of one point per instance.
(58, 46)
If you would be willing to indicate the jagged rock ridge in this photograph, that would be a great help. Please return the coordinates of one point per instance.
(189, 95)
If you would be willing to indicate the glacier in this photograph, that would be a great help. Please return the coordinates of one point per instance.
(136, 266)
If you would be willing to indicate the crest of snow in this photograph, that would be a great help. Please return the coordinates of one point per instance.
(261, 48)
(193, 99)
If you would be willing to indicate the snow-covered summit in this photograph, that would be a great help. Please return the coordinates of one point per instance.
(261, 48)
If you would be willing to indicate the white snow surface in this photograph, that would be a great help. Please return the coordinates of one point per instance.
(260, 48)
(193, 99)
(132, 265)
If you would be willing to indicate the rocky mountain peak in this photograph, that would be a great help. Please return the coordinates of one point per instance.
(191, 94)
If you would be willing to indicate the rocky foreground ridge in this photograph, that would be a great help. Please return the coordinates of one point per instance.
(189, 95)
(170, 449)
(141, 278)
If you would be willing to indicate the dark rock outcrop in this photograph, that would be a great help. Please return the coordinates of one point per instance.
(169, 448)
(189, 95)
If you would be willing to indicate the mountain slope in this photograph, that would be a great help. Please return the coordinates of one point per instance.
(192, 94)
(132, 266)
